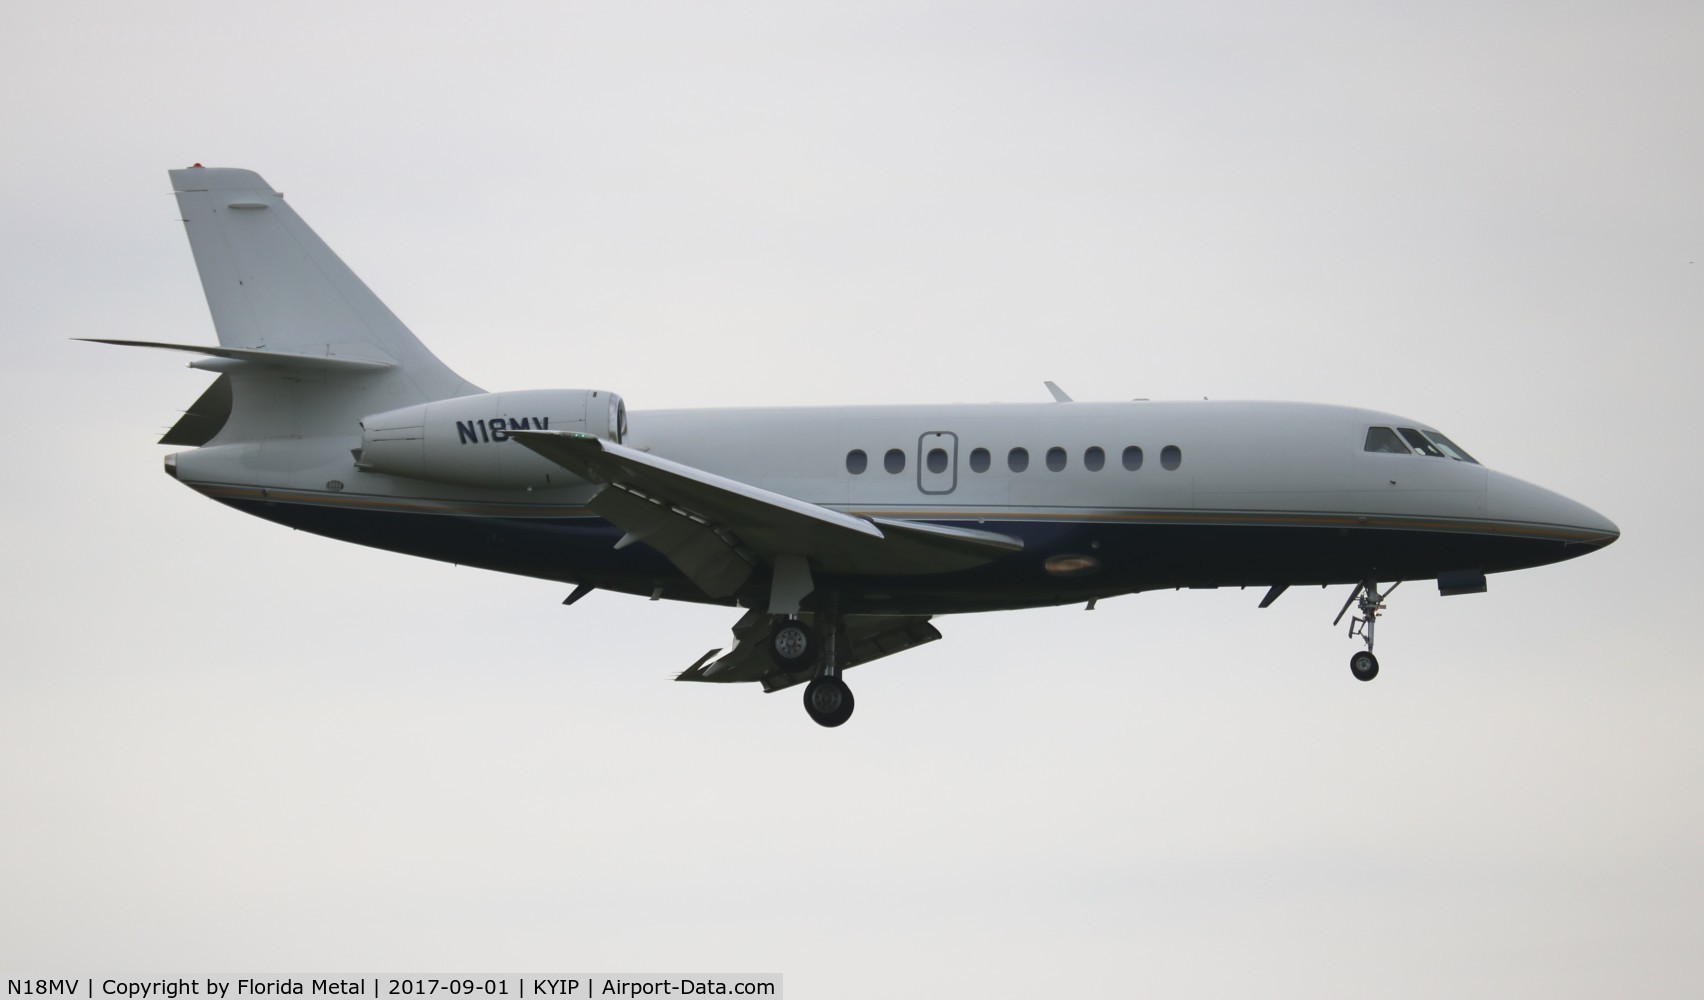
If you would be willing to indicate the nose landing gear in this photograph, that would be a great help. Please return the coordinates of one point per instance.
(1369, 603)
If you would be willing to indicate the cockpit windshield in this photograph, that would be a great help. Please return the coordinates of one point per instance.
(1421, 445)
(1449, 447)
(1384, 440)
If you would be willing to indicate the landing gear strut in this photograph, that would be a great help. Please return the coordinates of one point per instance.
(1369, 603)
(828, 701)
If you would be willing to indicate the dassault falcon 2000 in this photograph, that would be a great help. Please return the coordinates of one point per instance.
(842, 531)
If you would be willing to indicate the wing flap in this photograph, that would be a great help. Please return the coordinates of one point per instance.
(707, 556)
(866, 638)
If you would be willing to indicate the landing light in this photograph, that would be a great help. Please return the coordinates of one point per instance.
(1071, 565)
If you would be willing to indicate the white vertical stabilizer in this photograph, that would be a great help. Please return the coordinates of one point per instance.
(273, 285)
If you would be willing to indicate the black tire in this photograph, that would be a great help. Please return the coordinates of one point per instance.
(792, 645)
(828, 701)
(1364, 665)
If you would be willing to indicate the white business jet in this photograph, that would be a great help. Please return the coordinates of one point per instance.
(840, 530)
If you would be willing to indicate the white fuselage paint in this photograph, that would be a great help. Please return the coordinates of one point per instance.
(1235, 456)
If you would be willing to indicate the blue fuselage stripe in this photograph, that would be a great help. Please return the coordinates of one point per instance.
(1122, 555)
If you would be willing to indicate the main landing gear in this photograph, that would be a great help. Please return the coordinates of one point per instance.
(828, 701)
(795, 647)
(793, 644)
(1369, 603)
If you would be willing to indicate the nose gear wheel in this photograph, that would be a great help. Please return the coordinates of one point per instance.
(1369, 604)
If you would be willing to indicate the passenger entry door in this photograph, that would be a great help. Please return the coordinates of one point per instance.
(937, 462)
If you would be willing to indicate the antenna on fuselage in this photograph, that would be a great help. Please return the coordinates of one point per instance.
(1059, 395)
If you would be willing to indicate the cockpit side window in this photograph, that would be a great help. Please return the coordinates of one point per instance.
(1384, 441)
(1449, 447)
(1421, 445)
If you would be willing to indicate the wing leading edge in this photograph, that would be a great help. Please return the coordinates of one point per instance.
(717, 531)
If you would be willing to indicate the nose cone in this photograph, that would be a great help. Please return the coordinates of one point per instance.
(1538, 511)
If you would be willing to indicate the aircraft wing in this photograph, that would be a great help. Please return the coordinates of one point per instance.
(867, 637)
(716, 530)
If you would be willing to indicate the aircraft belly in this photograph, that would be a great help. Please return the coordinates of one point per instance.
(1130, 558)
(568, 549)
(1105, 556)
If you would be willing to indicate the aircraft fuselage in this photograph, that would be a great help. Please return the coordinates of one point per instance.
(1108, 498)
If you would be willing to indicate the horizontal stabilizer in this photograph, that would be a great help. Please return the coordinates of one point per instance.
(276, 359)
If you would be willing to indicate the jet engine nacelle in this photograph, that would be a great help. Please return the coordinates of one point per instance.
(466, 440)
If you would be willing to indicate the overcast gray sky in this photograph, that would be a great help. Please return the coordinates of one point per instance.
(228, 746)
